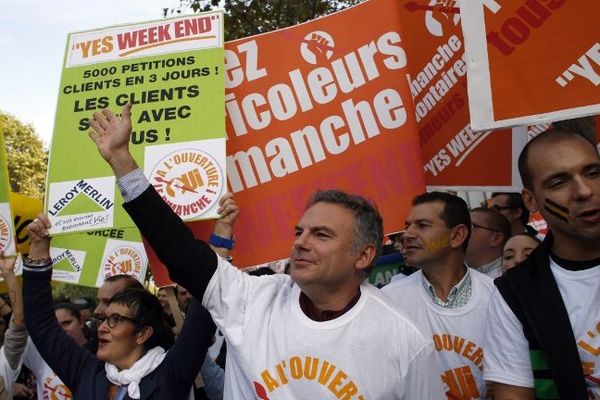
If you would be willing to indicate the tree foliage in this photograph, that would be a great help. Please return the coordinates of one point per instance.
(27, 159)
(70, 292)
(250, 17)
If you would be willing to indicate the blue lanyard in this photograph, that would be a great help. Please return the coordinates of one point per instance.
(121, 393)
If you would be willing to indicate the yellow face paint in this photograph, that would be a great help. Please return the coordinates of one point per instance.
(437, 243)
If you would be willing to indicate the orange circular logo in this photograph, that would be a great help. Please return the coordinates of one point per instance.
(189, 181)
(5, 236)
(124, 260)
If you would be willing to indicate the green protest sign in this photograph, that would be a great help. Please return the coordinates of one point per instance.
(89, 258)
(387, 266)
(83, 258)
(172, 72)
(7, 241)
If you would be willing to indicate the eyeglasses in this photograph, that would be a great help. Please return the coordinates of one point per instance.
(113, 320)
(500, 208)
(484, 227)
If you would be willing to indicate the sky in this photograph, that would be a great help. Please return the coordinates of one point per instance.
(33, 35)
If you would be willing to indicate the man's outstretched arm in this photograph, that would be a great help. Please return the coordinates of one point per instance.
(190, 262)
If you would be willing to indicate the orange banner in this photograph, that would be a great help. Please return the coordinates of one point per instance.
(531, 61)
(320, 105)
(454, 155)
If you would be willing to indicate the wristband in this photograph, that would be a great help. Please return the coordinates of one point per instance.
(219, 241)
(36, 262)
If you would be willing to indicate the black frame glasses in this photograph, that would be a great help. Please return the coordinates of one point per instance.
(484, 227)
(500, 208)
(113, 320)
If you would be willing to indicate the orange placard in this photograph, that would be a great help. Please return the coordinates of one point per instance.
(532, 61)
(320, 105)
(454, 155)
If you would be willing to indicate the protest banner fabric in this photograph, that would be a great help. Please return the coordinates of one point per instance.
(531, 62)
(7, 230)
(324, 104)
(172, 72)
(454, 155)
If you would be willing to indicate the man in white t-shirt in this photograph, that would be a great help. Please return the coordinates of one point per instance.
(445, 298)
(319, 333)
(543, 335)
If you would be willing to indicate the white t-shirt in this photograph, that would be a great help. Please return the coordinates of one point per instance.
(8, 374)
(49, 385)
(458, 334)
(507, 360)
(275, 352)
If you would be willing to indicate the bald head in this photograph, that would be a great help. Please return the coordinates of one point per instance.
(552, 137)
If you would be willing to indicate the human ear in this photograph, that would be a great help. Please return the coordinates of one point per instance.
(365, 257)
(529, 200)
(458, 236)
(144, 335)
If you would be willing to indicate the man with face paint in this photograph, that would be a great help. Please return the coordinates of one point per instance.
(544, 320)
(445, 298)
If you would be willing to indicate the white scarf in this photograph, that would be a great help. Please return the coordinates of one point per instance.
(132, 376)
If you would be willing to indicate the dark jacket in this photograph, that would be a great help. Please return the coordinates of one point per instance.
(191, 263)
(85, 375)
(532, 294)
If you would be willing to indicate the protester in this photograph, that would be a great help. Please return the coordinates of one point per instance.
(512, 207)
(517, 249)
(48, 384)
(544, 315)
(164, 303)
(212, 375)
(111, 286)
(280, 330)
(445, 298)
(15, 338)
(183, 298)
(490, 231)
(130, 362)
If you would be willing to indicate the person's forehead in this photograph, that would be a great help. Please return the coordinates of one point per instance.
(63, 315)
(431, 210)
(520, 241)
(329, 215)
(549, 158)
(121, 309)
(478, 217)
(500, 199)
(109, 289)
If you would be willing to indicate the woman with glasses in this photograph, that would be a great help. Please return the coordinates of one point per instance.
(131, 362)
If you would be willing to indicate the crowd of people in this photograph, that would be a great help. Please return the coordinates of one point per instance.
(493, 309)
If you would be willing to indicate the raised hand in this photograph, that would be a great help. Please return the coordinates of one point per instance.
(111, 135)
(39, 237)
(229, 212)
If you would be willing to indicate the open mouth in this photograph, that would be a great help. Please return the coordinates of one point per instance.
(103, 342)
(590, 215)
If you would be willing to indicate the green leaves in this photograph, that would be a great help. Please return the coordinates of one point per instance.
(27, 159)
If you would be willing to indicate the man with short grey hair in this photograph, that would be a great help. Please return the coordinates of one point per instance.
(320, 333)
